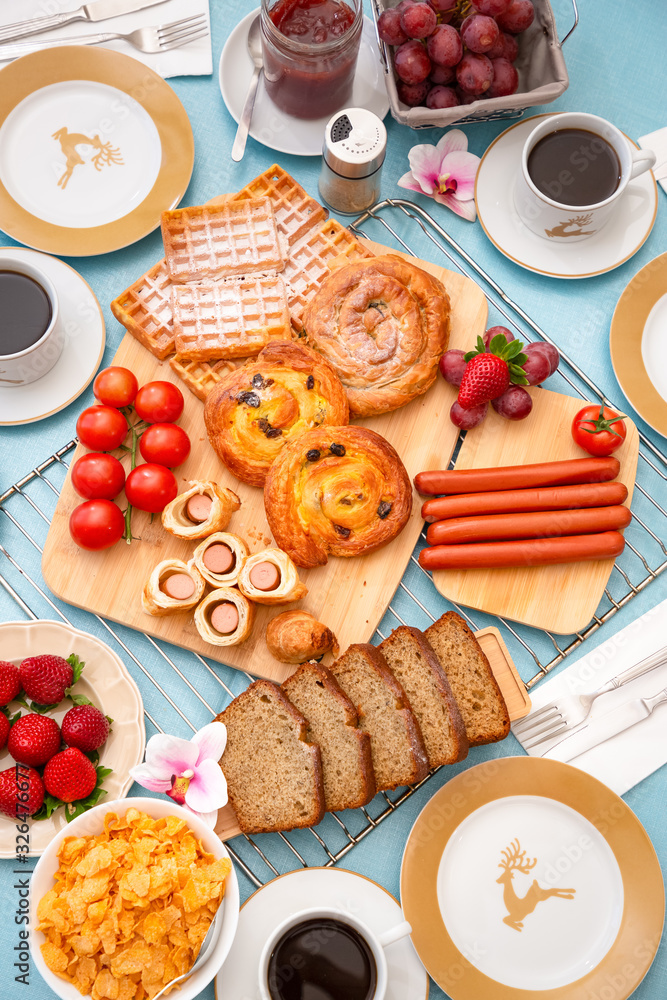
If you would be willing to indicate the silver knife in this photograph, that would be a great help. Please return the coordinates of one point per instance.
(590, 735)
(100, 10)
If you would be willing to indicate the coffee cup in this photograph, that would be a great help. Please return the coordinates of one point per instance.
(44, 346)
(574, 170)
(324, 939)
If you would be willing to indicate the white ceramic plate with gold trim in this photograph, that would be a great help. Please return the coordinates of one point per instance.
(94, 146)
(622, 237)
(107, 683)
(525, 878)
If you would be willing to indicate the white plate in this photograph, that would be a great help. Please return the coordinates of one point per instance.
(271, 126)
(82, 318)
(334, 887)
(107, 683)
(622, 237)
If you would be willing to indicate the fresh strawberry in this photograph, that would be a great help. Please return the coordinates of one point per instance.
(70, 776)
(34, 739)
(85, 727)
(490, 371)
(21, 791)
(4, 729)
(46, 678)
(10, 682)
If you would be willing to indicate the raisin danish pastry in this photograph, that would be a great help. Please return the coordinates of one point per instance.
(383, 324)
(336, 490)
(254, 410)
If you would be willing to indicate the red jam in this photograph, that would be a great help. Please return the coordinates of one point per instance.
(314, 21)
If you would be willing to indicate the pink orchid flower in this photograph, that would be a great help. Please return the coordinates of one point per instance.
(187, 770)
(445, 172)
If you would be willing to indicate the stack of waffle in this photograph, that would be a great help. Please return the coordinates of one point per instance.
(237, 273)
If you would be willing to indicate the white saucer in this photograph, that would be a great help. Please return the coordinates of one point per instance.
(271, 126)
(347, 891)
(622, 237)
(82, 318)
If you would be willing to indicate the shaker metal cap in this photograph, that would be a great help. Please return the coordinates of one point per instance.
(355, 143)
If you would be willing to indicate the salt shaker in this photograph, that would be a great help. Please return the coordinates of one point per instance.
(355, 143)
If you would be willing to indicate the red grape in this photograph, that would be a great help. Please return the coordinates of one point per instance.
(445, 46)
(514, 404)
(549, 350)
(517, 17)
(442, 74)
(498, 48)
(419, 20)
(412, 63)
(505, 78)
(403, 5)
(445, 8)
(466, 98)
(537, 367)
(479, 32)
(452, 366)
(494, 331)
(511, 46)
(467, 419)
(412, 94)
(474, 73)
(441, 97)
(491, 7)
(389, 27)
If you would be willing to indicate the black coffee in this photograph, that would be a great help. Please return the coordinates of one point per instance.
(25, 312)
(574, 167)
(321, 959)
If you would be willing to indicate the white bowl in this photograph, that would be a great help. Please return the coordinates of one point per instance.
(92, 822)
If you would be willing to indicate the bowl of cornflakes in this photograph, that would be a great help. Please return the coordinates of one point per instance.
(122, 899)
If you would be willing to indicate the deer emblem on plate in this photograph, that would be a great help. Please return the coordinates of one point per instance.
(563, 228)
(518, 907)
(105, 154)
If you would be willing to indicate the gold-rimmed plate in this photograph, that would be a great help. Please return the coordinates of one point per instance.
(94, 146)
(638, 343)
(525, 878)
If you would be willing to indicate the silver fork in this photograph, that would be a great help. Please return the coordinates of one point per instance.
(156, 39)
(570, 710)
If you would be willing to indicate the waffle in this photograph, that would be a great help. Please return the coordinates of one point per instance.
(200, 376)
(310, 261)
(234, 238)
(144, 309)
(229, 319)
(295, 211)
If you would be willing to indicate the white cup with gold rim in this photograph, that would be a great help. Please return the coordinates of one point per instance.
(23, 367)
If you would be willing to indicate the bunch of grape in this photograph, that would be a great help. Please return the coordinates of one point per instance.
(452, 52)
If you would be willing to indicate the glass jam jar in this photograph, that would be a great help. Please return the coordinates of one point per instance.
(310, 53)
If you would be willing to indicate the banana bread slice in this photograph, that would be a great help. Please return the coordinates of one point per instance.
(415, 665)
(476, 690)
(274, 776)
(347, 766)
(397, 747)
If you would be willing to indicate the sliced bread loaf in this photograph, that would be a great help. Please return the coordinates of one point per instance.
(347, 767)
(397, 747)
(274, 776)
(477, 694)
(415, 665)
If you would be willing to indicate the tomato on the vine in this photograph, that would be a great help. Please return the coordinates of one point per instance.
(598, 430)
(96, 524)
(166, 444)
(159, 402)
(101, 428)
(97, 476)
(150, 487)
(115, 386)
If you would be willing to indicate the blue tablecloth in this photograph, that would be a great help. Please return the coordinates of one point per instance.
(616, 65)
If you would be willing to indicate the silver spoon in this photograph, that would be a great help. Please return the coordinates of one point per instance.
(255, 50)
(205, 951)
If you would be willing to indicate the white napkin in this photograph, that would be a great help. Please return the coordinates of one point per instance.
(632, 755)
(657, 141)
(193, 59)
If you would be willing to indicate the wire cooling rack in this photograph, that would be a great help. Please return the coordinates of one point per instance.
(32, 502)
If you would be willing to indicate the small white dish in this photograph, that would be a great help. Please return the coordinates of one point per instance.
(619, 240)
(271, 126)
(331, 887)
(82, 321)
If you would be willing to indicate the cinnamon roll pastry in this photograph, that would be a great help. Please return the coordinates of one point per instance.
(270, 577)
(219, 558)
(336, 490)
(224, 617)
(253, 411)
(173, 586)
(295, 636)
(201, 510)
(383, 324)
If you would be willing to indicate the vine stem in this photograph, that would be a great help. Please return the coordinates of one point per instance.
(136, 434)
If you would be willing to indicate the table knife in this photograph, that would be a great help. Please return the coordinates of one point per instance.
(591, 734)
(100, 10)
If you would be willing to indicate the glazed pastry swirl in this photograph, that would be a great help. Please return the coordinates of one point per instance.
(337, 490)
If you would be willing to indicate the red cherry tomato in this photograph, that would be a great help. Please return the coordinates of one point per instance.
(166, 444)
(115, 386)
(598, 430)
(101, 428)
(96, 524)
(97, 476)
(150, 487)
(159, 402)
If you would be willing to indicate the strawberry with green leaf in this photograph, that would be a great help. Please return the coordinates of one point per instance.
(489, 373)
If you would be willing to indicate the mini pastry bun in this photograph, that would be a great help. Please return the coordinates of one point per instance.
(224, 502)
(239, 551)
(295, 636)
(156, 602)
(245, 610)
(288, 587)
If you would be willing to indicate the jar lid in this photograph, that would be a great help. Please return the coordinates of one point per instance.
(355, 142)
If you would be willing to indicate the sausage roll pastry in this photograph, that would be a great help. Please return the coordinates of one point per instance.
(173, 586)
(254, 410)
(224, 617)
(336, 490)
(295, 636)
(201, 510)
(270, 577)
(219, 558)
(383, 324)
